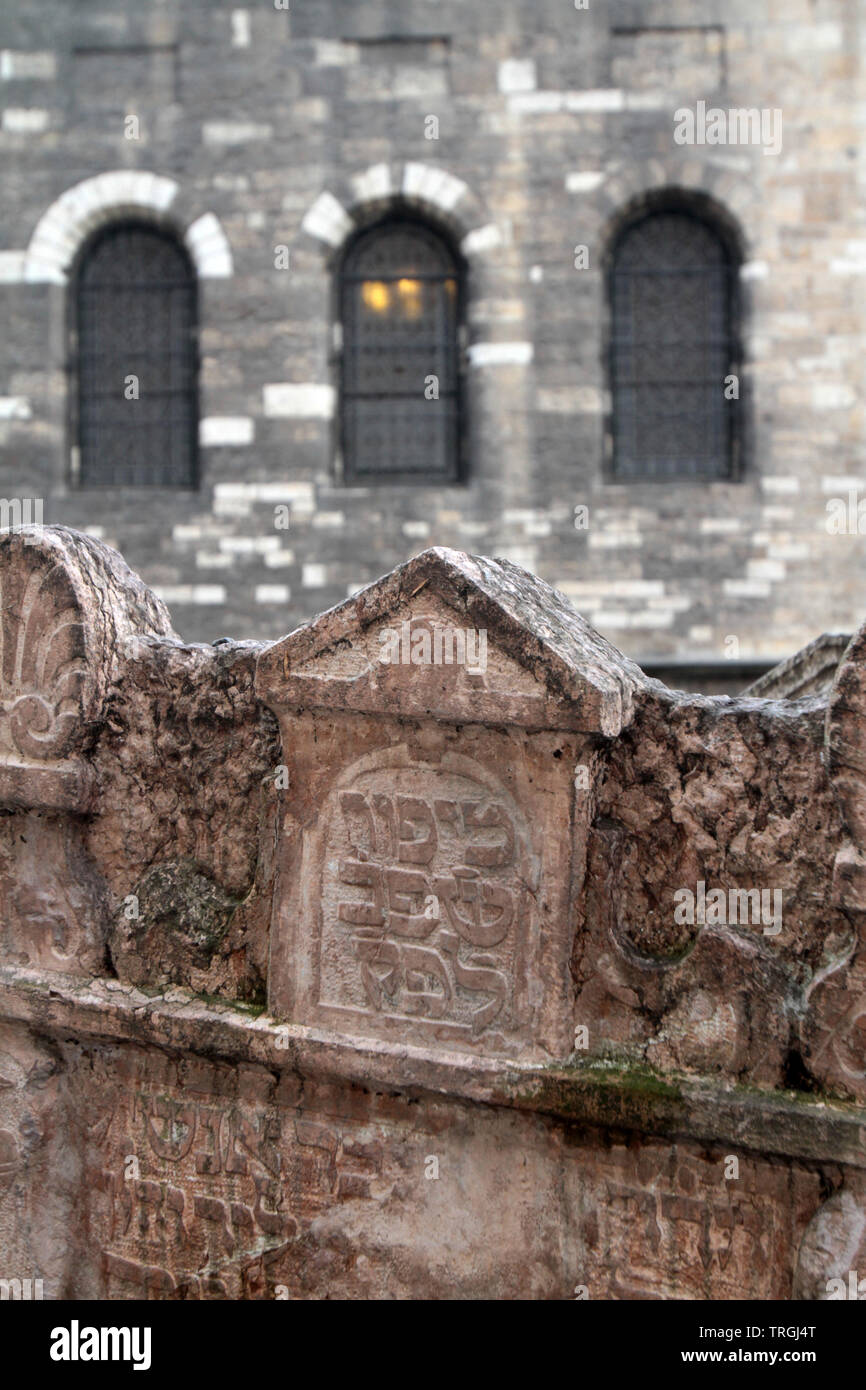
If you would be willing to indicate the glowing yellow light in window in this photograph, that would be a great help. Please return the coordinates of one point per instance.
(376, 296)
(410, 296)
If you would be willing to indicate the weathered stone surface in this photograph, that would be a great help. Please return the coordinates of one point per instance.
(427, 869)
(810, 671)
(497, 1060)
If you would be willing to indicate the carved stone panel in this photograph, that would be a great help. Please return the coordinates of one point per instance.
(431, 844)
(66, 604)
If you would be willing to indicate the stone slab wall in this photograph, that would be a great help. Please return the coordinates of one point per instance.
(319, 977)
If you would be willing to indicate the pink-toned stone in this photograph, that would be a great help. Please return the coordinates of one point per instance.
(493, 1063)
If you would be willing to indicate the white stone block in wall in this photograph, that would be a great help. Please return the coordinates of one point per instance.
(701, 635)
(12, 267)
(435, 186)
(777, 482)
(17, 64)
(792, 550)
(313, 576)
(677, 603)
(524, 555)
(584, 180)
(273, 593)
(765, 569)
(616, 588)
(608, 617)
(840, 485)
(299, 400)
(569, 400)
(647, 101)
(213, 560)
(328, 220)
(601, 99)
(296, 494)
(231, 506)
(373, 184)
(500, 354)
(209, 247)
(216, 430)
(185, 533)
(416, 530)
(235, 132)
(853, 262)
(25, 120)
(719, 525)
(516, 75)
(536, 103)
(279, 559)
(646, 618)
(613, 540)
(248, 545)
(15, 408)
(745, 588)
(481, 239)
(329, 520)
(206, 594)
(331, 53)
(417, 84)
(240, 28)
(826, 37)
(832, 395)
(754, 270)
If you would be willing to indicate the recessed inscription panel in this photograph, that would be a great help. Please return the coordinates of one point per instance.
(416, 905)
(425, 901)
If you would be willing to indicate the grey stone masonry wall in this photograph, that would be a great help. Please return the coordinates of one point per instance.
(262, 127)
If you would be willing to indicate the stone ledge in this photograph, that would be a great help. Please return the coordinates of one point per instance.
(67, 786)
(605, 1095)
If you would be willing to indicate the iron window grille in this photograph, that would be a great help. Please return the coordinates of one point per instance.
(400, 306)
(136, 359)
(672, 346)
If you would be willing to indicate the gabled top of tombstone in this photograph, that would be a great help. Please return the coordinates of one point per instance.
(810, 671)
(455, 637)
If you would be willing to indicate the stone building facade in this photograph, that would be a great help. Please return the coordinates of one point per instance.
(262, 137)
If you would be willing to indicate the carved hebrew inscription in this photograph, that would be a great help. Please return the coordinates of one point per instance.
(207, 1199)
(425, 899)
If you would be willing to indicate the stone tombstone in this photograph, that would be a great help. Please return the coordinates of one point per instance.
(432, 840)
(68, 608)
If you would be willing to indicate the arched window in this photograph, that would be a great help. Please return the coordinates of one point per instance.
(400, 306)
(673, 326)
(135, 353)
